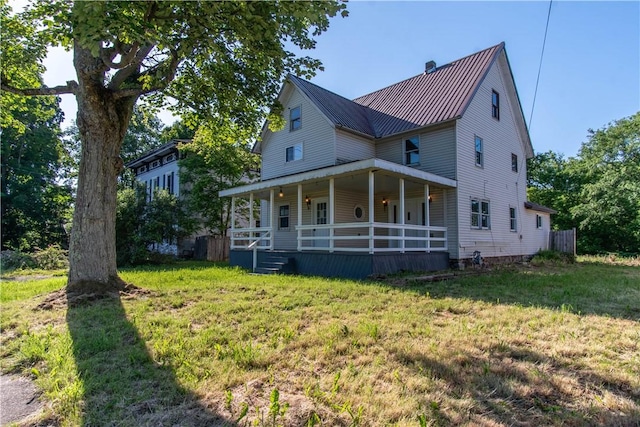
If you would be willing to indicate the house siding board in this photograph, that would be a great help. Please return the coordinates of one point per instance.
(437, 152)
(390, 150)
(316, 135)
(350, 147)
(495, 181)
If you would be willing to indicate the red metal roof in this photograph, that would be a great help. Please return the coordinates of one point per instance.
(419, 101)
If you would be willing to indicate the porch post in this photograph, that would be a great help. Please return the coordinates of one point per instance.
(427, 219)
(332, 200)
(402, 214)
(299, 216)
(272, 222)
(371, 207)
(233, 214)
(251, 220)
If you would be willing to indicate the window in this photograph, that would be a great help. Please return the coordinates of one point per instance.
(480, 214)
(538, 221)
(155, 164)
(513, 221)
(170, 178)
(412, 150)
(294, 119)
(294, 153)
(514, 162)
(479, 152)
(142, 169)
(495, 105)
(358, 212)
(283, 217)
(169, 158)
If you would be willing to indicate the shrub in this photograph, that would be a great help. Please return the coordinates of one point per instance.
(553, 257)
(14, 260)
(52, 258)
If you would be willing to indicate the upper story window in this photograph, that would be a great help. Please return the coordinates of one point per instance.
(538, 221)
(142, 169)
(495, 105)
(479, 152)
(514, 162)
(283, 217)
(295, 120)
(480, 217)
(155, 164)
(294, 153)
(513, 226)
(412, 150)
(169, 158)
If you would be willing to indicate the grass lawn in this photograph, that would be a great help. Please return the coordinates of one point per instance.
(212, 345)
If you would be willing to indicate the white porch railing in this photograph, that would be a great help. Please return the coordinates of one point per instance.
(371, 237)
(253, 239)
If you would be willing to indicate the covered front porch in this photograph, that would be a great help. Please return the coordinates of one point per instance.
(368, 207)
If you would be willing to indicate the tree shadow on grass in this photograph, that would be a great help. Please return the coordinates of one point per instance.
(512, 385)
(122, 385)
(606, 290)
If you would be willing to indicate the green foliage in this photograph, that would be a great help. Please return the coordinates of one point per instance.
(51, 258)
(140, 223)
(35, 206)
(219, 158)
(553, 257)
(598, 191)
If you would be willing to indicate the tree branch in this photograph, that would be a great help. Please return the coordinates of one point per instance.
(133, 67)
(70, 87)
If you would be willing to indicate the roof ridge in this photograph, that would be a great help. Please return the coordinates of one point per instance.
(501, 44)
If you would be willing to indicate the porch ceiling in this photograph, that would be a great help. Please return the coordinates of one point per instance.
(355, 170)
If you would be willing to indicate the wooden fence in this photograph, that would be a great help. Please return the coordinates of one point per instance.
(563, 241)
(212, 248)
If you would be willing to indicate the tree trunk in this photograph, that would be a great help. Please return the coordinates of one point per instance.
(102, 123)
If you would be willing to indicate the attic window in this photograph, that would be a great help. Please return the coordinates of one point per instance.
(495, 105)
(294, 119)
(142, 169)
(294, 153)
(170, 158)
(155, 164)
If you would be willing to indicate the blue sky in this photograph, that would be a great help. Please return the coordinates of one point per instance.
(590, 71)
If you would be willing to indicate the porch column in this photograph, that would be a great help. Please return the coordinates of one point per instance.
(427, 219)
(299, 216)
(251, 220)
(402, 215)
(233, 214)
(371, 207)
(332, 200)
(272, 208)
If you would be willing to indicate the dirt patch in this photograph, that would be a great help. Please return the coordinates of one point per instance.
(63, 297)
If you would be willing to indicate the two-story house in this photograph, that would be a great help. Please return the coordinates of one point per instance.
(158, 169)
(414, 176)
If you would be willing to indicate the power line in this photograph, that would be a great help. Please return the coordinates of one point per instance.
(544, 42)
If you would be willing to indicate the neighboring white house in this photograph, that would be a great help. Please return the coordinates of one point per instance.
(158, 169)
(409, 177)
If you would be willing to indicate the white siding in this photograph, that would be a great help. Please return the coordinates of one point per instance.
(495, 181)
(316, 135)
(350, 147)
(535, 239)
(437, 151)
(162, 172)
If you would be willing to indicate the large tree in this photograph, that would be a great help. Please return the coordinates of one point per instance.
(221, 60)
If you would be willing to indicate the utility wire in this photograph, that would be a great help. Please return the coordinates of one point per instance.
(544, 42)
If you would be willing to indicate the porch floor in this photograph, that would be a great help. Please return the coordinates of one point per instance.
(347, 265)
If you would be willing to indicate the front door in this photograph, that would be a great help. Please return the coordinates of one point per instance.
(321, 217)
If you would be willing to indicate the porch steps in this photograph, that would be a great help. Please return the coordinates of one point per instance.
(276, 265)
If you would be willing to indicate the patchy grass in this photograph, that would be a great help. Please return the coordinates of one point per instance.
(213, 345)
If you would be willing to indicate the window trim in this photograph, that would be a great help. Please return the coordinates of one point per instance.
(479, 154)
(538, 221)
(293, 121)
(406, 152)
(480, 216)
(495, 104)
(513, 219)
(293, 151)
(282, 217)
(514, 162)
